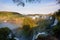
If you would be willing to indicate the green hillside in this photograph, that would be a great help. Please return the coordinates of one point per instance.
(15, 14)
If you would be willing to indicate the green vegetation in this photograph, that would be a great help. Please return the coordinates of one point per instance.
(56, 28)
(29, 21)
(22, 3)
(30, 26)
(10, 14)
(27, 31)
(57, 14)
(4, 34)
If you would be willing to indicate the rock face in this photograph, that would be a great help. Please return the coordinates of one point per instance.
(48, 37)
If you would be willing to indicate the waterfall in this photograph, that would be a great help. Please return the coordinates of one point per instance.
(35, 36)
(55, 22)
(40, 33)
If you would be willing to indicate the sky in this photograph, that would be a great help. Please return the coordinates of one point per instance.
(44, 7)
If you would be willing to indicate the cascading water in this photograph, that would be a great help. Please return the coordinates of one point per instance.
(19, 36)
(54, 22)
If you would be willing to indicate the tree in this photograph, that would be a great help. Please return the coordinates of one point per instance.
(23, 2)
(58, 1)
(56, 29)
(4, 34)
(57, 13)
(27, 32)
(29, 21)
